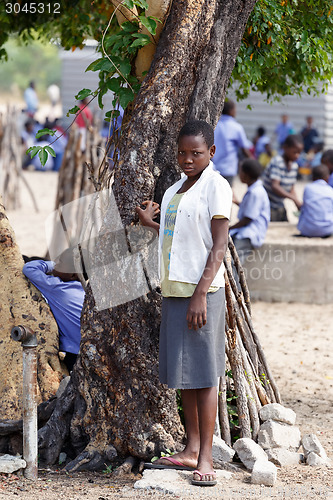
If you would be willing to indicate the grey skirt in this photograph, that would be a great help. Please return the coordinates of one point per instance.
(192, 359)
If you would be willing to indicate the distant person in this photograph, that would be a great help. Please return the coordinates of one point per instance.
(85, 118)
(282, 130)
(53, 93)
(260, 141)
(84, 121)
(31, 99)
(229, 138)
(316, 217)
(60, 285)
(280, 178)
(254, 211)
(266, 157)
(327, 159)
(309, 133)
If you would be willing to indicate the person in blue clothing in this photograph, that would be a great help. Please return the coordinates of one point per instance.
(254, 211)
(60, 285)
(327, 159)
(316, 217)
(282, 130)
(229, 138)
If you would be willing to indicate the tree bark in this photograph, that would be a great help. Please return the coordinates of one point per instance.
(118, 405)
(22, 304)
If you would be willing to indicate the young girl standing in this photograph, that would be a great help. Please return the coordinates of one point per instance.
(193, 236)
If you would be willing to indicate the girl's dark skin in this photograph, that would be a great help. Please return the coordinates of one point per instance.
(200, 405)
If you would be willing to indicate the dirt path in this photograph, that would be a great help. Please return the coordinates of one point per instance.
(298, 342)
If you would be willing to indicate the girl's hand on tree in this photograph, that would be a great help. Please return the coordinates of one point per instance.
(196, 316)
(148, 214)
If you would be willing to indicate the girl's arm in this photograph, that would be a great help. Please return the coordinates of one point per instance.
(197, 310)
(148, 214)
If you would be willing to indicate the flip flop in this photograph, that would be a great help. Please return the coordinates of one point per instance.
(200, 482)
(175, 464)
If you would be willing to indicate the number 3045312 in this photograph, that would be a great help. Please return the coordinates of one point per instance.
(32, 8)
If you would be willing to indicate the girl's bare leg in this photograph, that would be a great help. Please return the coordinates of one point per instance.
(189, 456)
(207, 407)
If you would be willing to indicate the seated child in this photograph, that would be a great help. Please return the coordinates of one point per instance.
(60, 285)
(280, 178)
(327, 159)
(254, 211)
(316, 217)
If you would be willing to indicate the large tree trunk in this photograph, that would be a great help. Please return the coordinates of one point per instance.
(22, 304)
(114, 403)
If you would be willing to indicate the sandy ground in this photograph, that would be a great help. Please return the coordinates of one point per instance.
(298, 342)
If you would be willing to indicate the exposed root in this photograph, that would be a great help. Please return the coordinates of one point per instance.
(125, 468)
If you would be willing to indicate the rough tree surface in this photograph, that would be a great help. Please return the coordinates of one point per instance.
(22, 304)
(114, 403)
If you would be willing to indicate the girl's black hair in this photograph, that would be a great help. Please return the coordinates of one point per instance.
(198, 127)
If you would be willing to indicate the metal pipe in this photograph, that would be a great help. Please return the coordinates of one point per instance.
(28, 340)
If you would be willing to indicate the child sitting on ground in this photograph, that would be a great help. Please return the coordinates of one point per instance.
(254, 211)
(316, 217)
(280, 178)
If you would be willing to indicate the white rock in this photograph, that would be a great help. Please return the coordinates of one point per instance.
(315, 460)
(311, 443)
(277, 435)
(283, 457)
(249, 452)
(172, 482)
(275, 411)
(264, 472)
(221, 451)
(168, 481)
(10, 464)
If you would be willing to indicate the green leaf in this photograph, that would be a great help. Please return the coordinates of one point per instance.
(43, 155)
(33, 151)
(102, 64)
(125, 97)
(50, 151)
(129, 26)
(142, 3)
(149, 23)
(114, 113)
(45, 131)
(83, 94)
(124, 67)
(113, 84)
(141, 41)
(73, 111)
(128, 3)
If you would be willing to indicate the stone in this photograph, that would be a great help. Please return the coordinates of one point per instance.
(283, 457)
(172, 482)
(62, 386)
(310, 444)
(10, 464)
(277, 435)
(275, 411)
(315, 460)
(264, 472)
(221, 451)
(249, 452)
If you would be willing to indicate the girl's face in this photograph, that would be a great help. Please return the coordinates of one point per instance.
(292, 153)
(194, 155)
